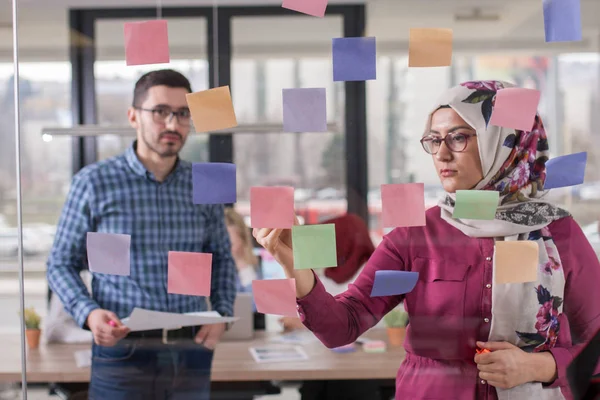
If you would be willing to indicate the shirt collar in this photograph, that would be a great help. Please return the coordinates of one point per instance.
(136, 165)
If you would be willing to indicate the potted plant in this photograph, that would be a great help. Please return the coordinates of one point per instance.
(32, 325)
(396, 322)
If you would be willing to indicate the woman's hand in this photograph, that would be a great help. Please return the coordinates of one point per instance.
(291, 324)
(507, 366)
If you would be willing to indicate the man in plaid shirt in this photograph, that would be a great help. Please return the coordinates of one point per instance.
(145, 192)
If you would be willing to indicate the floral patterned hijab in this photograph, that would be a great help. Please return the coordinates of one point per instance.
(513, 163)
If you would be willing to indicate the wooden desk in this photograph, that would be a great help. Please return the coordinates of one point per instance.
(232, 362)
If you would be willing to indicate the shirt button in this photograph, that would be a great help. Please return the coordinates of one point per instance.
(488, 286)
(488, 259)
(482, 382)
(486, 320)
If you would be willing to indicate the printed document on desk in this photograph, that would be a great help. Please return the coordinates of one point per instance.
(144, 320)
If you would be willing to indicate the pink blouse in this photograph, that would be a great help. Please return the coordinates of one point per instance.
(450, 308)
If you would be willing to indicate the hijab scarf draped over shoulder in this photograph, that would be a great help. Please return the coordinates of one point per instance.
(513, 163)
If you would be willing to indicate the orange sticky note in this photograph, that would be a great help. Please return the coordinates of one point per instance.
(275, 296)
(189, 273)
(430, 47)
(272, 207)
(146, 42)
(515, 108)
(482, 351)
(212, 110)
(516, 261)
(403, 205)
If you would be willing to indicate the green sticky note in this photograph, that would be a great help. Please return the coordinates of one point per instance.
(476, 204)
(314, 246)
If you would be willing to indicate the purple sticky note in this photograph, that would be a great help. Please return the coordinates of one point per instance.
(565, 171)
(214, 183)
(109, 253)
(392, 283)
(562, 20)
(354, 59)
(304, 110)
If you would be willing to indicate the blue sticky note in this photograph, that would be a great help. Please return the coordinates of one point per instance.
(565, 171)
(392, 283)
(354, 59)
(304, 110)
(214, 183)
(562, 20)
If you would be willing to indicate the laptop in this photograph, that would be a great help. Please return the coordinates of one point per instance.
(243, 328)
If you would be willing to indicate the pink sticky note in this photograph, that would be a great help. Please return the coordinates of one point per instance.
(515, 108)
(272, 207)
(275, 296)
(403, 205)
(315, 8)
(146, 42)
(189, 273)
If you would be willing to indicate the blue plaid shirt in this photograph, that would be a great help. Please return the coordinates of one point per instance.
(119, 195)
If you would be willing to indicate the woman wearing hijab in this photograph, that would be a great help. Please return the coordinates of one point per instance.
(532, 330)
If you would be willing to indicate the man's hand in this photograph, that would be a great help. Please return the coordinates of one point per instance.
(106, 327)
(210, 335)
(507, 366)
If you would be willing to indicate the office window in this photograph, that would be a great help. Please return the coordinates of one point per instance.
(46, 175)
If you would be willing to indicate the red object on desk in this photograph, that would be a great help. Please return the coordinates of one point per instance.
(482, 351)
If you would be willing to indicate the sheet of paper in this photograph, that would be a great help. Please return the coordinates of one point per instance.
(143, 320)
(314, 246)
(275, 296)
(430, 47)
(562, 20)
(272, 207)
(403, 205)
(515, 108)
(109, 253)
(146, 42)
(278, 353)
(212, 109)
(354, 59)
(516, 261)
(476, 204)
(189, 273)
(83, 358)
(295, 337)
(304, 110)
(316, 8)
(565, 171)
(214, 183)
(392, 283)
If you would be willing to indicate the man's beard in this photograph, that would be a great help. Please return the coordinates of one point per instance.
(167, 151)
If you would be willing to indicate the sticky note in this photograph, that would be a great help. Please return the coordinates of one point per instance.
(212, 109)
(189, 273)
(562, 20)
(304, 110)
(403, 205)
(565, 171)
(272, 207)
(109, 253)
(316, 8)
(214, 183)
(354, 59)
(516, 261)
(392, 283)
(430, 47)
(275, 296)
(476, 204)
(314, 246)
(146, 42)
(515, 108)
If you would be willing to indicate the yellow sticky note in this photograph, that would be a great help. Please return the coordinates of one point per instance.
(516, 261)
(430, 47)
(212, 110)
